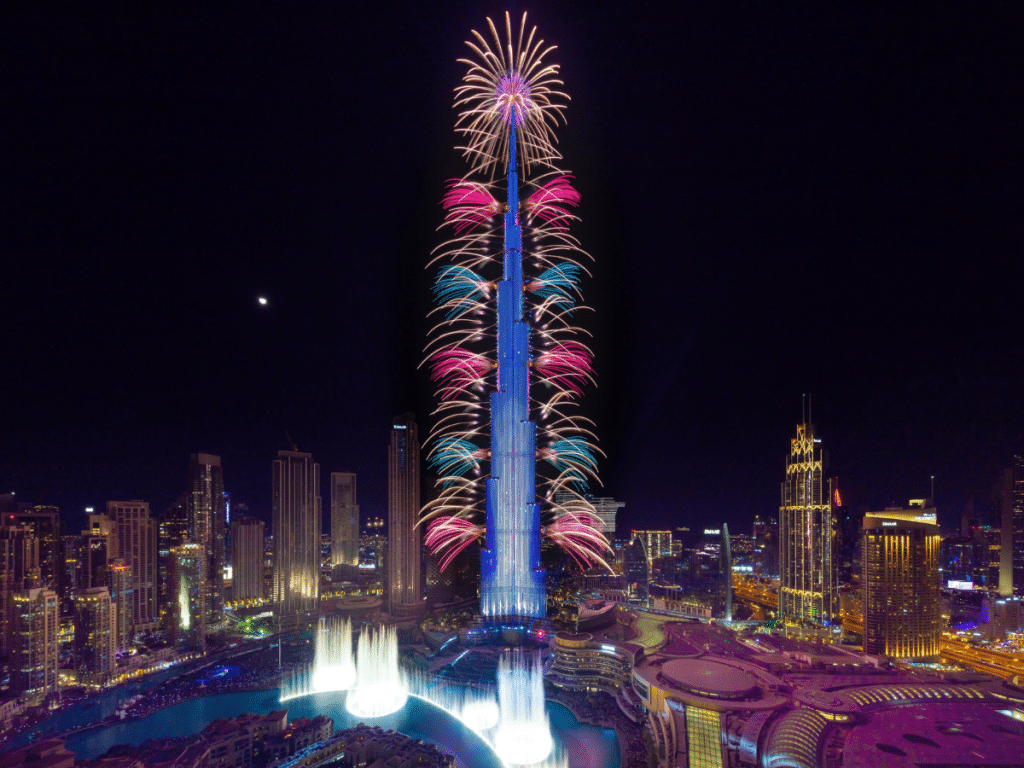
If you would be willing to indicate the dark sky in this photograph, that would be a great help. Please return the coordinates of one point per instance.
(779, 202)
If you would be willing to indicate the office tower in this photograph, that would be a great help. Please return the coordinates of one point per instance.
(807, 567)
(344, 527)
(33, 658)
(71, 548)
(188, 602)
(95, 630)
(1017, 525)
(607, 509)
(136, 545)
(120, 593)
(44, 523)
(99, 547)
(901, 582)
(531, 361)
(636, 566)
(403, 512)
(296, 509)
(247, 558)
(206, 517)
(172, 530)
(19, 570)
(656, 544)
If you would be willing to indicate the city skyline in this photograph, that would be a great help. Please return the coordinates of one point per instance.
(876, 185)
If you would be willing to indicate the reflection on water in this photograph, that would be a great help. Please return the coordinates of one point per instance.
(585, 745)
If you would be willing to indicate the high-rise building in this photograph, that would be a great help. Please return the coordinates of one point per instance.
(296, 509)
(122, 603)
(247, 558)
(808, 588)
(207, 516)
(404, 557)
(902, 612)
(656, 544)
(136, 545)
(71, 547)
(637, 569)
(95, 630)
(607, 509)
(33, 658)
(19, 570)
(1017, 526)
(344, 527)
(99, 547)
(44, 523)
(172, 530)
(188, 602)
(766, 547)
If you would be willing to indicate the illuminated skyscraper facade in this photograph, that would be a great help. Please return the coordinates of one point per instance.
(404, 551)
(207, 517)
(134, 541)
(95, 643)
(247, 558)
(1017, 525)
(296, 508)
(808, 579)
(188, 602)
(656, 544)
(902, 612)
(344, 527)
(122, 604)
(637, 569)
(34, 660)
(19, 570)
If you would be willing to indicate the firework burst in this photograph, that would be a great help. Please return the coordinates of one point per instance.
(508, 359)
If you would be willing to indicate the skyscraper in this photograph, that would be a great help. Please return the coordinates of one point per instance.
(656, 544)
(188, 603)
(122, 604)
(808, 591)
(207, 516)
(247, 558)
(296, 509)
(44, 523)
(95, 628)
(34, 657)
(404, 556)
(1017, 525)
(344, 527)
(636, 565)
(901, 583)
(135, 539)
(19, 570)
(607, 509)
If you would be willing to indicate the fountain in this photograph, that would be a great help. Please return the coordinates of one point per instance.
(523, 736)
(380, 688)
(333, 669)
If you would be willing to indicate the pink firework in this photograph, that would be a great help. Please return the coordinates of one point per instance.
(468, 205)
(568, 366)
(550, 201)
(512, 98)
(451, 535)
(579, 534)
(456, 370)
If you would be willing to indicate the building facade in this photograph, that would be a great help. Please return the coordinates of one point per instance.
(656, 544)
(34, 659)
(902, 611)
(135, 544)
(296, 508)
(808, 579)
(122, 603)
(19, 570)
(637, 570)
(344, 527)
(404, 555)
(247, 558)
(95, 637)
(207, 518)
(187, 609)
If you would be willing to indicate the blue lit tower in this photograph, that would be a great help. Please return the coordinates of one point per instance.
(522, 326)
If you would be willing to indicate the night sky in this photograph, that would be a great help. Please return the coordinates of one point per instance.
(779, 202)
